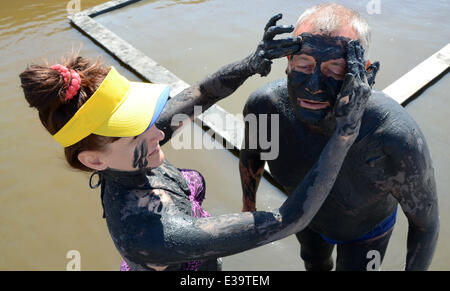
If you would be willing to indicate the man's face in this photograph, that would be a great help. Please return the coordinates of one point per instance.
(315, 75)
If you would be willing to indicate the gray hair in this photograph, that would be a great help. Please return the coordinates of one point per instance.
(327, 18)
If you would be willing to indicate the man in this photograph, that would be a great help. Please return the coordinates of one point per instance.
(389, 163)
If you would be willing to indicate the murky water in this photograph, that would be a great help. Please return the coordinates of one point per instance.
(47, 209)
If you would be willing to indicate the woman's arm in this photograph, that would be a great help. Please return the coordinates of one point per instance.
(227, 79)
(176, 238)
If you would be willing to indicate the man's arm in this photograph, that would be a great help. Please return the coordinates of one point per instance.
(414, 187)
(251, 166)
(227, 79)
(251, 169)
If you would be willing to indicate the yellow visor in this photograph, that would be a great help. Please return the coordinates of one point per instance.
(118, 108)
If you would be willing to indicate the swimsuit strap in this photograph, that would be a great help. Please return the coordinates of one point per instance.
(378, 230)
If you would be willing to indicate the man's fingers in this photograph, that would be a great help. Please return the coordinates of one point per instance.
(274, 30)
(273, 21)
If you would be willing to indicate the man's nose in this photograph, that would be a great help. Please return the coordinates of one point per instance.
(313, 86)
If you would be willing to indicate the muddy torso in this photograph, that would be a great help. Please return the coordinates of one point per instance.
(360, 198)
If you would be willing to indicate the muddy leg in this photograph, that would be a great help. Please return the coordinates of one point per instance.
(315, 252)
(356, 256)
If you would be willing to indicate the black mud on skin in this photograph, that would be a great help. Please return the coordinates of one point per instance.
(154, 226)
(150, 218)
(322, 48)
(140, 156)
(230, 77)
(389, 164)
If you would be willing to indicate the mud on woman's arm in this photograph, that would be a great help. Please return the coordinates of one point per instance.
(228, 78)
(154, 232)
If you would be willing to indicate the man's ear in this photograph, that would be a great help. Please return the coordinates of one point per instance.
(91, 159)
(287, 66)
(372, 71)
(368, 63)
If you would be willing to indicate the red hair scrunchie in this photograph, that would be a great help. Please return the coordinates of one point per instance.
(73, 76)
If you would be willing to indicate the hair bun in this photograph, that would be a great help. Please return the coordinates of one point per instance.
(52, 90)
(71, 76)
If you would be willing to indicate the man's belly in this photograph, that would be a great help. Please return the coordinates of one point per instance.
(343, 223)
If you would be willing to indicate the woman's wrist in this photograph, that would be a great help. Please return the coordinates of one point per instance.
(253, 64)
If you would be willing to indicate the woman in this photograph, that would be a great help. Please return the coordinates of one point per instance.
(153, 210)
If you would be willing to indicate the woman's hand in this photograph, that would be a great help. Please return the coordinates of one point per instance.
(355, 92)
(269, 49)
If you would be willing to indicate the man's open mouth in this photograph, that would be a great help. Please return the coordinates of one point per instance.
(311, 104)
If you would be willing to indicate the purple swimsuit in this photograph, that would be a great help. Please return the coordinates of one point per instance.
(196, 185)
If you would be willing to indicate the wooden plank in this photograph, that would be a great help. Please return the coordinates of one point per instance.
(126, 53)
(155, 73)
(108, 6)
(413, 81)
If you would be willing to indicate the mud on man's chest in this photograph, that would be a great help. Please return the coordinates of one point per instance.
(358, 180)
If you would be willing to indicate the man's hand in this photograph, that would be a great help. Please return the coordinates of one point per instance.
(355, 92)
(269, 49)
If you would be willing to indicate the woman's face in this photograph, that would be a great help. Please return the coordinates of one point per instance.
(134, 153)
